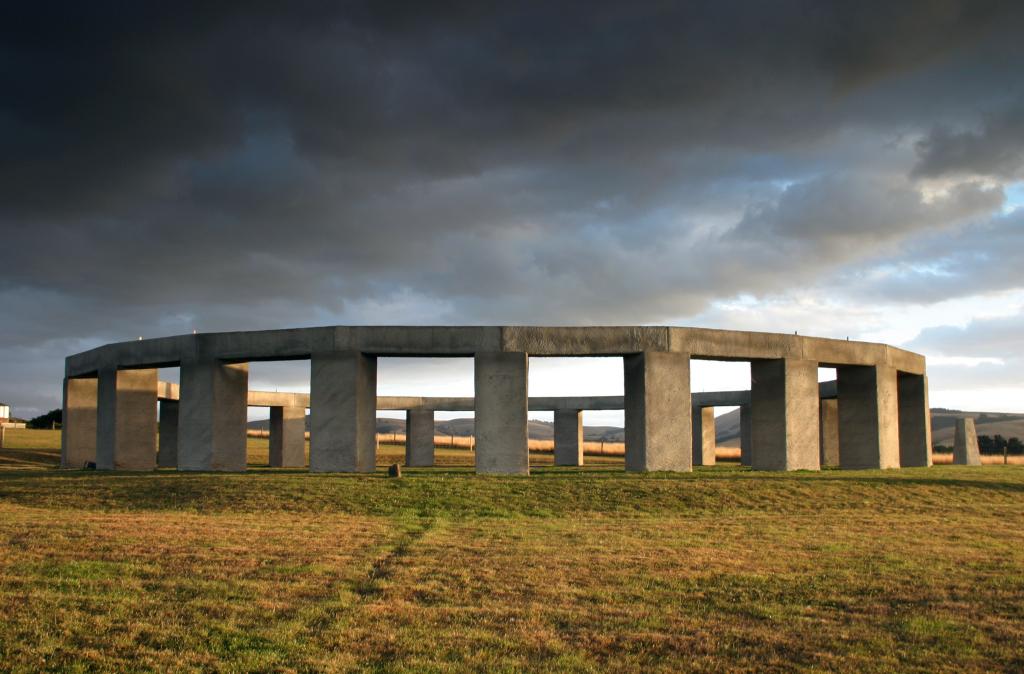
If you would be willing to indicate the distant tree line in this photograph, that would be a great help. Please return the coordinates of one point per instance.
(992, 444)
(51, 419)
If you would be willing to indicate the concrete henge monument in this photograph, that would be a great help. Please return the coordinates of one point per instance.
(111, 393)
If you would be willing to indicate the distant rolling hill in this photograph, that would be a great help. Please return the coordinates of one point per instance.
(727, 427)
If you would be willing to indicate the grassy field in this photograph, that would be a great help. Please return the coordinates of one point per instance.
(723, 569)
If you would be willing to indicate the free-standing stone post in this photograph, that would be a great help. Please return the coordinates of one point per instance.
(746, 436)
(78, 434)
(167, 456)
(784, 411)
(419, 437)
(915, 420)
(502, 442)
(287, 436)
(868, 417)
(657, 402)
(703, 436)
(126, 419)
(829, 430)
(212, 414)
(343, 412)
(965, 443)
(568, 438)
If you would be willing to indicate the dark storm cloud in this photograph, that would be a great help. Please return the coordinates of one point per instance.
(219, 166)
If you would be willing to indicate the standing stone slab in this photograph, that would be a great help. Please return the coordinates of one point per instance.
(829, 428)
(502, 441)
(784, 414)
(167, 456)
(868, 417)
(915, 420)
(343, 412)
(703, 422)
(657, 402)
(126, 420)
(212, 415)
(78, 437)
(965, 444)
(287, 436)
(746, 436)
(568, 438)
(419, 438)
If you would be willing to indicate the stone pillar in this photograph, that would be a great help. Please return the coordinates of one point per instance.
(419, 438)
(746, 436)
(784, 414)
(568, 438)
(868, 417)
(657, 402)
(829, 432)
(502, 441)
(965, 444)
(915, 420)
(78, 437)
(287, 437)
(343, 412)
(126, 420)
(703, 424)
(212, 415)
(167, 456)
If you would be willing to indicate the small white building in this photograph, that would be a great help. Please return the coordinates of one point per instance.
(5, 412)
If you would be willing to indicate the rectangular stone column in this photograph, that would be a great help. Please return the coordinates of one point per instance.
(167, 456)
(829, 432)
(78, 434)
(784, 414)
(915, 420)
(126, 420)
(746, 436)
(419, 438)
(343, 412)
(212, 415)
(703, 423)
(287, 437)
(657, 402)
(502, 442)
(868, 417)
(965, 443)
(568, 438)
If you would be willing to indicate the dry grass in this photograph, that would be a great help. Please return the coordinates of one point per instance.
(591, 570)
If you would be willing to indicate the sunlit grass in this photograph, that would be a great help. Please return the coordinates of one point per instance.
(567, 570)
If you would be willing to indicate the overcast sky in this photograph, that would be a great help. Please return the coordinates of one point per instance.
(839, 169)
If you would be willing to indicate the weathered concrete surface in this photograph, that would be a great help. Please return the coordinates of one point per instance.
(568, 437)
(915, 420)
(343, 414)
(287, 439)
(501, 381)
(419, 437)
(868, 417)
(703, 433)
(212, 415)
(78, 439)
(301, 343)
(965, 444)
(784, 411)
(828, 428)
(657, 405)
(126, 420)
(746, 436)
(167, 454)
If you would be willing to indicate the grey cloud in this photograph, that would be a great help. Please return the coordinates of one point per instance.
(164, 168)
(996, 150)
